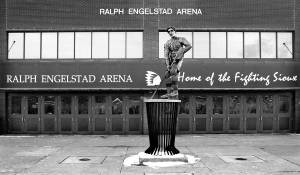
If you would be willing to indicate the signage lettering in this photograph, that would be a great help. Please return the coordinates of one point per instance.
(68, 78)
(281, 77)
(64, 78)
(150, 11)
(212, 79)
(21, 78)
(115, 79)
(244, 78)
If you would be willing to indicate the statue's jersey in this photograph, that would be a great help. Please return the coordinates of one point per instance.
(174, 47)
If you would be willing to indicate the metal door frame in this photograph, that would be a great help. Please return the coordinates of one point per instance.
(264, 116)
(185, 116)
(68, 116)
(133, 116)
(96, 116)
(78, 117)
(12, 117)
(37, 116)
(256, 115)
(240, 116)
(285, 115)
(218, 116)
(51, 116)
(117, 116)
(201, 116)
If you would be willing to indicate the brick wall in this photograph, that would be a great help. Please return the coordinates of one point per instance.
(297, 111)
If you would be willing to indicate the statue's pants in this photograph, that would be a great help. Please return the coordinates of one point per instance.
(172, 76)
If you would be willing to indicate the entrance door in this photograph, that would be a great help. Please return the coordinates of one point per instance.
(15, 114)
(218, 114)
(100, 114)
(32, 114)
(251, 113)
(66, 112)
(201, 115)
(184, 120)
(284, 113)
(234, 113)
(134, 115)
(83, 114)
(49, 114)
(117, 117)
(267, 116)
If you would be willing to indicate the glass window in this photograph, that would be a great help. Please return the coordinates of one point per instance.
(100, 104)
(201, 105)
(201, 45)
(16, 104)
(117, 105)
(83, 45)
(49, 45)
(49, 105)
(100, 45)
(268, 45)
(184, 105)
(267, 104)
(117, 45)
(83, 105)
(134, 105)
(234, 105)
(32, 45)
(33, 102)
(66, 105)
(66, 45)
(134, 44)
(251, 105)
(218, 44)
(163, 38)
(285, 45)
(235, 44)
(218, 105)
(189, 37)
(15, 45)
(251, 44)
(284, 104)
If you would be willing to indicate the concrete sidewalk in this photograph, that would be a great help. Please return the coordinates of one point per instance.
(58, 155)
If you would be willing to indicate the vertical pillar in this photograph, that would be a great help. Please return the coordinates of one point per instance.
(297, 111)
(145, 122)
(297, 30)
(2, 112)
(150, 48)
(3, 57)
(3, 41)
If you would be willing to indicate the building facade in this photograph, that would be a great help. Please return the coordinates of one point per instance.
(84, 67)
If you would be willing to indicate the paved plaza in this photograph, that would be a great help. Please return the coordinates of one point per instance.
(260, 154)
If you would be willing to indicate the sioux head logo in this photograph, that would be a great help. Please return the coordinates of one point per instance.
(152, 78)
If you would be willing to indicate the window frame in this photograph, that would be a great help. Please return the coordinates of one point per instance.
(41, 58)
(243, 33)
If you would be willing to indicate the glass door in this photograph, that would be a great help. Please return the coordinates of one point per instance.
(284, 113)
(15, 114)
(83, 114)
(32, 114)
(251, 113)
(234, 114)
(117, 117)
(268, 116)
(100, 114)
(218, 114)
(201, 115)
(134, 115)
(66, 112)
(49, 114)
(184, 119)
